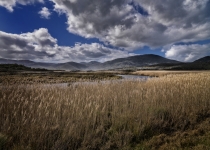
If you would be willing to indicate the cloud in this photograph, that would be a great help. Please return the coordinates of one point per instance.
(188, 53)
(33, 45)
(89, 52)
(132, 24)
(9, 4)
(45, 13)
(39, 45)
(126, 24)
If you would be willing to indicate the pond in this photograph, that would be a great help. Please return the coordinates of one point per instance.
(124, 77)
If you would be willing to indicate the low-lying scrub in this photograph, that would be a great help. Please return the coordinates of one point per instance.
(114, 115)
(17, 67)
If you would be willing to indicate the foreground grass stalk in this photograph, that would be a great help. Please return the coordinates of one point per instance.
(113, 115)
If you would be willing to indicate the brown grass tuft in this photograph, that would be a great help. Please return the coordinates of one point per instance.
(156, 114)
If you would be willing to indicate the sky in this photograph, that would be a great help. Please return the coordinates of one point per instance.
(102, 30)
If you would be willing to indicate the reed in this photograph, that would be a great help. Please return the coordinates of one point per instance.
(50, 77)
(112, 115)
(159, 73)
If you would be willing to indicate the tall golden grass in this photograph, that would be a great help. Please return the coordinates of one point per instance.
(159, 73)
(113, 115)
(8, 78)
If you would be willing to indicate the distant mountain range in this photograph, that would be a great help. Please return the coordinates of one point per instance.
(203, 60)
(138, 61)
(200, 64)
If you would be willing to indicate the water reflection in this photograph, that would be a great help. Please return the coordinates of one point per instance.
(124, 77)
(134, 77)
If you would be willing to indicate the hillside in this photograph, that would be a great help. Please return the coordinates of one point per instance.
(137, 61)
(203, 60)
(51, 66)
(148, 61)
(200, 64)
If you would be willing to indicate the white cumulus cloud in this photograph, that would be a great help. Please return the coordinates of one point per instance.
(133, 24)
(125, 24)
(39, 45)
(10, 4)
(188, 53)
(45, 13)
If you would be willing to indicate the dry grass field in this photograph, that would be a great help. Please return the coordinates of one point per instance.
(50, 77)
(169, 112)
(159, 73)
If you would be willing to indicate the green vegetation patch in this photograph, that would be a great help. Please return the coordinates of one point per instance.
(17, 67)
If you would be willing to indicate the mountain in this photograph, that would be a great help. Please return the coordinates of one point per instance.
(8, 61)
(69, 66)
(200, 64)
(136, 61)
(51, 66)
(205, 59)
(92, 65)
(149, 61)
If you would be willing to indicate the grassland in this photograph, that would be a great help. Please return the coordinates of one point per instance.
(159, 73)
(169, 112)
(37, 77)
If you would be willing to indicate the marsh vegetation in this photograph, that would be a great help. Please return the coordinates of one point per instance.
(160, 73)
(47, 77)
(169, 112)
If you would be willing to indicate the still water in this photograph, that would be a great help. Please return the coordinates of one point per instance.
(134, 77)
(124, 77)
